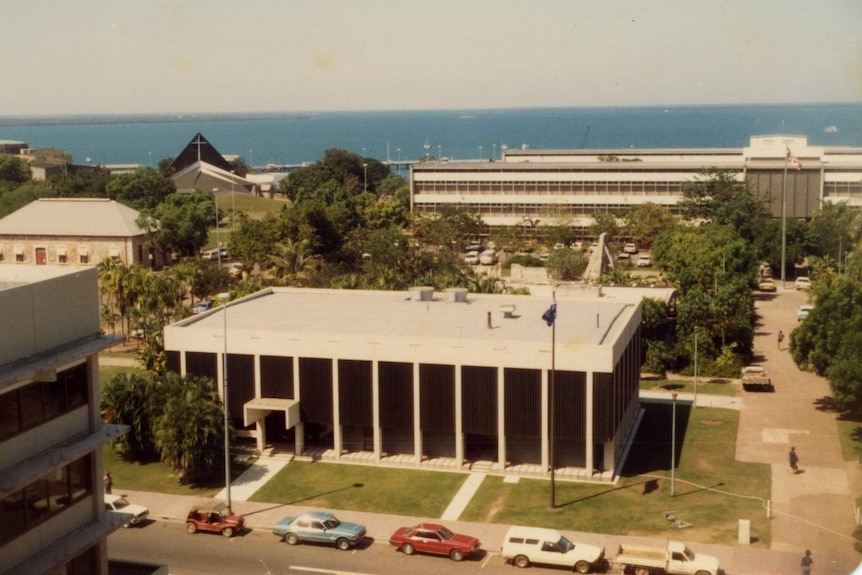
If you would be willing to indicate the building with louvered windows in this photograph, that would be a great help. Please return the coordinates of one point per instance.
(425, 379)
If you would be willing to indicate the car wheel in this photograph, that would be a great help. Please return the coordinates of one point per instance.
(342, 544)
(408, 549)
(456, 555)
(521, 561)
(191, 527)
(227, 531)
(291, 539)
(582, 567)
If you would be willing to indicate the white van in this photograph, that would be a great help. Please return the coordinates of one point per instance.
(525, 545)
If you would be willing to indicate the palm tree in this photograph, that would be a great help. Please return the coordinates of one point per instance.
(190, 432)
(126, 401)
(292, 261)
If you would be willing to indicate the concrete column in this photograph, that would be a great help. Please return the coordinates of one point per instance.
(501, 419)
(375, 410)
(545, 417)
(299, 431)
(417, 420)
(337, 434)
(260, 426)
(459, 423)
(590, 418)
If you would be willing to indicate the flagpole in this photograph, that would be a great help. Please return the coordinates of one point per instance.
(784, 218)
(551, 409)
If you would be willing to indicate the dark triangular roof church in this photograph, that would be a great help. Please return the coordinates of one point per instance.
(201, 167)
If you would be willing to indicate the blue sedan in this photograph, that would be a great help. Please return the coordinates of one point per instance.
(320, 527)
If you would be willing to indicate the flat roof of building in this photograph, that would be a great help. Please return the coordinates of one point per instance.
(344, 322)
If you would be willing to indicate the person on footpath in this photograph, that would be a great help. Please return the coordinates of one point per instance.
(780, 338)
(794, 460)
(806, 562)
(109, 482)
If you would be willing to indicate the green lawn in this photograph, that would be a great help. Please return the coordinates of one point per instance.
(711, 490)
(155, 476)
(361, 488)
(850, 433)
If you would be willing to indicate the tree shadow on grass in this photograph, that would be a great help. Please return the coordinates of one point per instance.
(309, 498)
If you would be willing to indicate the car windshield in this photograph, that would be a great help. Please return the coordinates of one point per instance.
(445, 533)
(331, 523)
(120, 503)
(564, 545)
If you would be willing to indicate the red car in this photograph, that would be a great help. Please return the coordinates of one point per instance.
(432, 538)
(214, 520)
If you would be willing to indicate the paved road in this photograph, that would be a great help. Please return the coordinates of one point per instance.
(814, 508)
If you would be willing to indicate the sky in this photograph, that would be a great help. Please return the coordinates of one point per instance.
(207, 56)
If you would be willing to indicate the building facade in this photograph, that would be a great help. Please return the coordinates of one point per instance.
(447, 379)
(570, 187)
(75, 232)
(52, 516)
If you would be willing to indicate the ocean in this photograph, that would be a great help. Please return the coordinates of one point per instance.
(298, 137)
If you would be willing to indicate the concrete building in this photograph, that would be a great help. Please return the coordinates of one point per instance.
(52, 516)
(75, 232)
(569, 187)
(428, 379)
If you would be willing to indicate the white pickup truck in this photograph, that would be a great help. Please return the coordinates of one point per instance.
(675, 559)
(755, 377)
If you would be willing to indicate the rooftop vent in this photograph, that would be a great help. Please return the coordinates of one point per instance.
(422, 293)
(456, 295)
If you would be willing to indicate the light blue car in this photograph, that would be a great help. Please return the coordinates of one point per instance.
(320, 527)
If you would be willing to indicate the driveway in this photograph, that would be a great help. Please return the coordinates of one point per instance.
(814, 508)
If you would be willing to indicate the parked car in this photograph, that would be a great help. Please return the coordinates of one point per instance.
(803, 283)
(766, 285)
(803, 311)
(644, 261)
(488, 257)
(525, 545)
(214, 519)
(624, 256)
(630, 248)
(436, 539)
(218, 254)
(119, 505)
(202, 306)
(472, 258)
(320, 527)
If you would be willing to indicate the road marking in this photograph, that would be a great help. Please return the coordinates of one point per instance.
(318, 570)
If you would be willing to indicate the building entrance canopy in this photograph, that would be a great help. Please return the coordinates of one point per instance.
(258, 408)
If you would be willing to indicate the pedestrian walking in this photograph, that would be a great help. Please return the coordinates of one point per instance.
(780, 338)
(806, 562)
(794, 460)
(109, 482)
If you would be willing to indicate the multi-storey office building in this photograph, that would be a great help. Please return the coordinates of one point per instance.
(571, 186)
(52, 517)
(425, 379)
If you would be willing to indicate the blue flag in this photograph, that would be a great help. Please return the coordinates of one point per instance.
(551, 315)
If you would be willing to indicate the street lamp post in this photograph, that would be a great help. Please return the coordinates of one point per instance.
(695, 366)
(224, 297)
(673, 447)
(494, 152)
(365, 177)
(232, 204)
(480, 153)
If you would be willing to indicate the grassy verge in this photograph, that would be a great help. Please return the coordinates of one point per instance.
(360, 488)
(850, 433)
(157, 477)
(711, 490)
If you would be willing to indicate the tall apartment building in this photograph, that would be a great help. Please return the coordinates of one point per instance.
(52, 516)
